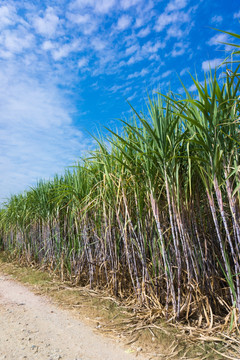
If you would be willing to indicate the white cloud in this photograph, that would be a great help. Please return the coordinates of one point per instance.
(47, 25)
(148, 51)
(179, 49)
(106, 59)
(174, 31)
(61, 51)
(169, 19)
(86, 23)
(5, 54)
(8, 16)
(184, 71)
(144, 32)
(82, 62)
(211, 64)
(124, 22)
(48, 45)
(132, 49)
(236, 15)
(192, 88)
(98, 44)
(37, 137)
(136, 74)
(127, 90)
(79, 18)
(104, 6)
(139, 22)
(135, 58)
(154, 57)
(115, 88)
(126, 4)
(216, 39)
(166, 74)
(217, 19)
(151, 47)
(176, 5)
(15, 41)
(99, 6)
(82, 3)
(130, 98)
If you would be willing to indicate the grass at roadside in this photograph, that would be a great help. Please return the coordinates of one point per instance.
(112, 317)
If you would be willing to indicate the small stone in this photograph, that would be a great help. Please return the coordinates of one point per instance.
(56, 357)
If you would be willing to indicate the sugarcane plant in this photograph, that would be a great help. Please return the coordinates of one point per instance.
(152, 213)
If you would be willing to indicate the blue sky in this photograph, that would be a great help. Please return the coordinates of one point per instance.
(68, 67)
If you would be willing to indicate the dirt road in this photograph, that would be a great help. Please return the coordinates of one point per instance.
(33, 328)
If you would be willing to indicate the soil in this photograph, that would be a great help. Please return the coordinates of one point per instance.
(32, 327)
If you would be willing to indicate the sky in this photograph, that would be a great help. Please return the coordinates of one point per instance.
(69, 68)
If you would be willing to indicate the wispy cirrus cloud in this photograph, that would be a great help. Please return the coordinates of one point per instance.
(133, 96)
(149, 50)
(138, 74)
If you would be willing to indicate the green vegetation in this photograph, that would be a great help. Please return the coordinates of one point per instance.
(153, 213)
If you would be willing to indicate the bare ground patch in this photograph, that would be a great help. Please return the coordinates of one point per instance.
(106, 315)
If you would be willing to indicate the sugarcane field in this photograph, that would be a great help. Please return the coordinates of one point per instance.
(134, 248)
